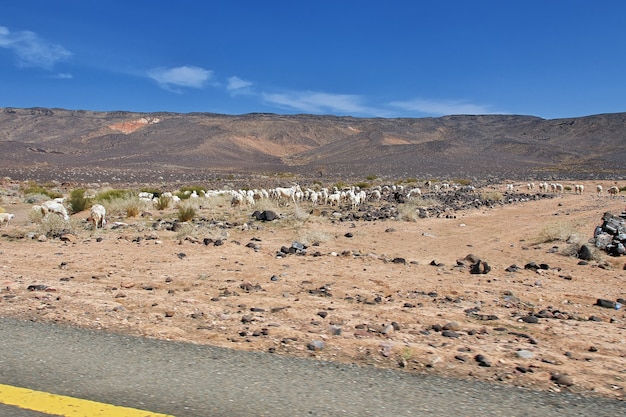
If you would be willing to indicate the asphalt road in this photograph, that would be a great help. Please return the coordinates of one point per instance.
(191, 380)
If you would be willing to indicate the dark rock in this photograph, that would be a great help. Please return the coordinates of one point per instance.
(316, 345)
(348, 235)
(450, 333)
(480, 267)
(532, 265)
(482, 361)
(607, 303)
(562, 379)
(322, 314)
(399, 261)
(530, 319)
(37, 287)
(584, 253)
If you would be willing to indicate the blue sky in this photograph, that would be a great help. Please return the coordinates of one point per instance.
(546, 58)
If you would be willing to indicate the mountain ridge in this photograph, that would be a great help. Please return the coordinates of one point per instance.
(513, 146)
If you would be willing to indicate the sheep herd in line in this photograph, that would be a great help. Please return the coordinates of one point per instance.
(558, 188)
(283, 196)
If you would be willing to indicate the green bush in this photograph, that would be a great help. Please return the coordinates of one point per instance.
(363, 185)
(32, 187)
(110, 195)
(371, 177)
(77, 201)
(186, 213)
(162, 202)
(186, 191)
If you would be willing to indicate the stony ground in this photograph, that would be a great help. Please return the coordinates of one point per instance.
(387, 293)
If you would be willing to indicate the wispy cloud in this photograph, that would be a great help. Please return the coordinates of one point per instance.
(186, 76)
(31, 50)
(317, 102)
(441, 108)
(238, 86)
(64, 76)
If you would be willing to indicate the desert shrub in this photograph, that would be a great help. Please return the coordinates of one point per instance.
(491, 196)
(266, 204)
(622, 189)
(363, 185)
(53, 226)
(129, 206)
(110, 195)
(463, 181)
(184, 192)
(32, 188)
(310, 237)
(558, 231)
(35, 216)
(77, 200)
(133, 208)
(340, 185)
(405, 181)
(36, 198)
(371, 177)
(186, 213)
(185, 230)
(162, 202)
(410, 211)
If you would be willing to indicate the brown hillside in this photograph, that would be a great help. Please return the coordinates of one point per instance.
(44, 141)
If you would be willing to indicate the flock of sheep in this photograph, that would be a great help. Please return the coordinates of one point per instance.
(283, 196)
(558, 188)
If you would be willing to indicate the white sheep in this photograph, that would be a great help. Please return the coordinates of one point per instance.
(415, 192)
(613, 191)
(97, 215)
(6, 218)
(599, 189)
(579, 188)
(52, 206)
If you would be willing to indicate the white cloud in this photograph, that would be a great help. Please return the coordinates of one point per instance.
(64, 76)
(316, 102)
(185, 76)
(31, 50)
(238, 86)
(441, 108)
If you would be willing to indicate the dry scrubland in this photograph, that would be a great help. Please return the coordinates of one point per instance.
(395, 293)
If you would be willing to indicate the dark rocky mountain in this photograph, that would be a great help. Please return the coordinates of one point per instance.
(125, 146)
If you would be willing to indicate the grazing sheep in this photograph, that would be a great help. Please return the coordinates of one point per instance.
(613, 191)
(599, 189)
(415, 192)
(54, 207)
(579, 188)
(97, 215)
(6, 218)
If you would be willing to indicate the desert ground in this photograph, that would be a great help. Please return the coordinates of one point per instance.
(394, 293)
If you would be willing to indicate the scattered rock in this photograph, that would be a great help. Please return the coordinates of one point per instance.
(482, 361)
(562, 379)
(315, 345)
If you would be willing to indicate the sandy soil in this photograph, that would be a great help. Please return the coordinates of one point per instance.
(346, 299)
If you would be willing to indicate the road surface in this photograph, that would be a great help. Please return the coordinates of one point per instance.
(182, 379)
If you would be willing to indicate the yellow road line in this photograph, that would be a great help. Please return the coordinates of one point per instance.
(60, 405)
